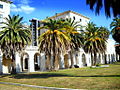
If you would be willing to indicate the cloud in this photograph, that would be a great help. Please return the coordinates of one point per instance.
(27, 9)
(14, 8)
(22, 6)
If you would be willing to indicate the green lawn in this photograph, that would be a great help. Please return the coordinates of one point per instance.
(80, 78)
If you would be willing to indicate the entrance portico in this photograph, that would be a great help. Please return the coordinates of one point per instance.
(30, 60)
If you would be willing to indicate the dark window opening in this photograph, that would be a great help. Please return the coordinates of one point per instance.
(80, 19)
(74, 17)
(1, 6)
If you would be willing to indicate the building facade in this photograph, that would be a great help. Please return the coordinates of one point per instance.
(32, 60)
(4, 12)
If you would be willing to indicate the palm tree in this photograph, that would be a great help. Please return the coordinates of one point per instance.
(104, 32)
(115, 25)
(54, 41)
(105, 35)
(14, 37)
(108, 6)
(76, 39)
(93, 41)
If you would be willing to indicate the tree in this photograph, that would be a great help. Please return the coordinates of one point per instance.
(108, 6)
(94, 41)
(14, 37)
(115, 25)
(76, 39)
(104, 32)
(54, 41)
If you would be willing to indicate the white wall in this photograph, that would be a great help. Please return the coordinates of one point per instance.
(5, 11)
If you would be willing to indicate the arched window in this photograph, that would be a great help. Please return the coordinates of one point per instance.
(24, 61)
(37, 61)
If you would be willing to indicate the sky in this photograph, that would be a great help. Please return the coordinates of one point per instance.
(41, 9)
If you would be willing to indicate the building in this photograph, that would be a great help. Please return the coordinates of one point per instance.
(32, 60)
(35, 23)
(4, 12)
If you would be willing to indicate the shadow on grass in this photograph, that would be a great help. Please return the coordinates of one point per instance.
(116, 63)
(48, 75)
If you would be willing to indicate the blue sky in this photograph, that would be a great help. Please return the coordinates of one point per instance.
(42, 8)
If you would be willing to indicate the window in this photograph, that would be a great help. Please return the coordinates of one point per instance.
(80, 20)
(1, 6)
(74, 17)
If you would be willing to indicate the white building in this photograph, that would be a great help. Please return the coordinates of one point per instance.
(32, 60)
(4, 12)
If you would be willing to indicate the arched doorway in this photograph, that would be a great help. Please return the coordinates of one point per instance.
(84, 60)
(24, 62)
(37, 61)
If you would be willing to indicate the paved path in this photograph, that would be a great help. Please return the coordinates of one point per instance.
(34, 86)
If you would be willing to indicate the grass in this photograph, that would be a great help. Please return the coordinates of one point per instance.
(13, 87)
(77, 78)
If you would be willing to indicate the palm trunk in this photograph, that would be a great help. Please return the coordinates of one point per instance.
(71, 57)
(57, 62)
(95, 57)
(92, 59)
(119, 58)
(54, 53)
(48, 62)
(66, 61)
(13, 64)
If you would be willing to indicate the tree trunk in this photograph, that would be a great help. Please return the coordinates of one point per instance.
(92, 59)
(119, 58)
(66, 61)
(71, 57)
(54, 53)
(13, 66)
(95, 57)
(57, 62)
(48, 62)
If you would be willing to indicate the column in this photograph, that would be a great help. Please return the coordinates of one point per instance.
(31, 65)
(62, 61)
(18, 63)
(88, 60)
(42, 62)
(74, 59)
(80, 63)
(103, 59)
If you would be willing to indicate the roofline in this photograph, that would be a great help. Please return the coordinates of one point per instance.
(7, 1)
(60, 14)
